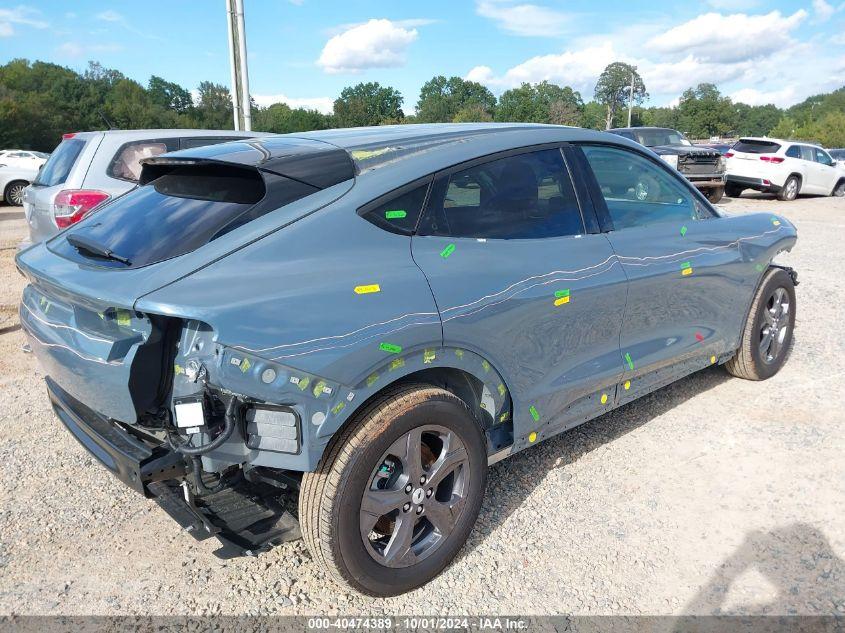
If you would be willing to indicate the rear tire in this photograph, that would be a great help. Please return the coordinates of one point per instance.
(839, 189)
(13, 193)
(790, 189)
(413, 437)
(768, 329)
(733, 190)
(715, 194)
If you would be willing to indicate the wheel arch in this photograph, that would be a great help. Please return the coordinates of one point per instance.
(467, 375)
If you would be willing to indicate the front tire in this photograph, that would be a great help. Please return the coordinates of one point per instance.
(790, 189)
(715, 194)
(397, 492)
(768, 329)
(13, 194)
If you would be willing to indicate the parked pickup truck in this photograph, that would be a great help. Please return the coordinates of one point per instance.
(704, 167)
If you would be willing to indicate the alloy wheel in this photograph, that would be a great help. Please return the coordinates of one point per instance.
(415, 496)
(15, 194)
(775, 325)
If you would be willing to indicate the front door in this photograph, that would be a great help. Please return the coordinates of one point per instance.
(682, 263)
(518, 280)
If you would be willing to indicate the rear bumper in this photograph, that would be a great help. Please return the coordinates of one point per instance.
(758, 184)
(707, 182)
(132, 461)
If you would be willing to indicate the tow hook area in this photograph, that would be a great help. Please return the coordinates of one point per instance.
(248, 516)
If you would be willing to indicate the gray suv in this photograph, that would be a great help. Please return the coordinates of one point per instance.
(363, 320)
(88, 168)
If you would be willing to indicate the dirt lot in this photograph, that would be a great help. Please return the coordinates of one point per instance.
(711, 495)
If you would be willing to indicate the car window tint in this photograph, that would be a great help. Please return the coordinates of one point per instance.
(126, 164)
(637, 191)
(181, 210)
(752, 146)
(202, 141)
(57, 168)
(822, 157)
(794, 151)
(807, 153)
(526, 196)
(397, 212)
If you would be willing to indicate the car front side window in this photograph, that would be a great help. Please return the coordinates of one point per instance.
(526, 196)
(639, 192)
(823, 157)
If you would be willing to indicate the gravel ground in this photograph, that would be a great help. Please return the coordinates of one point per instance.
(711, 495)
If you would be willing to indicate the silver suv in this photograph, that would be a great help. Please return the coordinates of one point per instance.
(88, 168)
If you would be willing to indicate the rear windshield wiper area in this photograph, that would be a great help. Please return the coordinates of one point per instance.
(92, 247)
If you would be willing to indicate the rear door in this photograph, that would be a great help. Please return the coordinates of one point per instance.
(682, 263)
(522, 277)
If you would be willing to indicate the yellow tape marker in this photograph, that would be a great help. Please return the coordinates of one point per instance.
(686, 271)
(627, 385)
(178, 369)
(712, 360)
(561, 301)
(371, 379)
(428, 356)
(604, 398)
(365, 290)
(532, 437)
(396, 364)
(245, 364)
(485, 366)
(501, 388)
(338, 407)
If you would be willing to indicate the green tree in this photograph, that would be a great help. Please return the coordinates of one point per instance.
(214, 106)
(441, 100)
(474, 112)
(703, 112)
(756, 120)
(593, 116)
(368, 104)
(167, 94)
(282, 119)
(613, 90)
(541, 103)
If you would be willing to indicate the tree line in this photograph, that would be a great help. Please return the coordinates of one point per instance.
(40, 101)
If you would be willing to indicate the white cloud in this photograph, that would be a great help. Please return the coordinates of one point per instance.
(823, 11)
(21, 16)
(110, 16)
(322, 104)
(524, 19)
(728, 38)
(75, 49)
(578, 69)
(676, 76)
(783, 97)
(116, 18)
(374, 44)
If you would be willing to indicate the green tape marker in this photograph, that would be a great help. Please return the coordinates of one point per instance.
(683, 231)
(338, 407)
(397, 214)
(447, 251)
(685, 265)
(759, 268)
(562, 293)
(533, 411)
(629, 361)
(390, 348)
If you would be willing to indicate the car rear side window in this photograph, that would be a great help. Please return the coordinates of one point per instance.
(126, 164)
(752, 146)
(181, 210)
(57, 168)
(637, 191)
(398, 211)
(526, 196)
(794, 151)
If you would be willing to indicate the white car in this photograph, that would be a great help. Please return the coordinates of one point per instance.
(786, 168)
(22, 158)
(13, 182)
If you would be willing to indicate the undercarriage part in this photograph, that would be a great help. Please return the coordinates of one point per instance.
(246, 517)
(225, 434)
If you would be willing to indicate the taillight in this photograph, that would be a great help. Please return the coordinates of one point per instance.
(728, 154)
(777, 160)
(71, 205)
(69, 135)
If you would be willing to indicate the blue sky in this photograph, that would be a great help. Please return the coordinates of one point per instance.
(305, 51)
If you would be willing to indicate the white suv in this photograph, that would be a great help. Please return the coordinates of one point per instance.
(786, 168)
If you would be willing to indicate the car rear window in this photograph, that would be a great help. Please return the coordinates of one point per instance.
(751, 146)
(57, 168)
(181, 210)
(126, 164)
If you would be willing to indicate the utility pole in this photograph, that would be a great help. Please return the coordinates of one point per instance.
(631, 98)
(238, 64)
